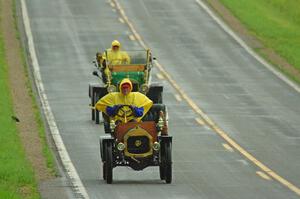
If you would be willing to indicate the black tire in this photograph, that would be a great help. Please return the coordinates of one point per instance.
(106, 127)
(168, 162)
(109, 164)
(102, 156)
(156, 98)
(106, 124)
(159, 98)
(104, 170)
(162, 172)
(93, 114)
(93, 104)
(97, 118)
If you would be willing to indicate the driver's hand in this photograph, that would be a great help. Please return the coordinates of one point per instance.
(137, 112)
(113, 111)
(117, 107)
(132, 107)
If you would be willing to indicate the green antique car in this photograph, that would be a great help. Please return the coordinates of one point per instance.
(138, 70)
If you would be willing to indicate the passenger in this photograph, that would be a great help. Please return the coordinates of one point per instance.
(137, 104)
(115, 56)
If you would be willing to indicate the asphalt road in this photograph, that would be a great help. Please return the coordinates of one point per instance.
(256, 108)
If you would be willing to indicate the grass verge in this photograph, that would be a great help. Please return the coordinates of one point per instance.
(276, 23)
(38, 117)
(16, 175)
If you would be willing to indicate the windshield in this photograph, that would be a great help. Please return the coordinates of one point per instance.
(133, 57)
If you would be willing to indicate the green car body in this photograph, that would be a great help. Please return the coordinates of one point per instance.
(135, 77)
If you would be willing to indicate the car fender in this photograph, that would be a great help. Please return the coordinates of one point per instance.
(104, 140)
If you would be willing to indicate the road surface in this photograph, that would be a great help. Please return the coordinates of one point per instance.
(252, 105)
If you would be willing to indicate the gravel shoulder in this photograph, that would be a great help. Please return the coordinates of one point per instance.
(50, 185)
(268, 53)
(22, 100)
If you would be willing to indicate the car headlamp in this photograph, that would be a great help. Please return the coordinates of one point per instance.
(121, 146)
(144, 88)
(156, 146)
(112, 125)
(160, 123)
(111, 88)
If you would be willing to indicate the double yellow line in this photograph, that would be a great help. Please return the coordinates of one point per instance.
(205, 117)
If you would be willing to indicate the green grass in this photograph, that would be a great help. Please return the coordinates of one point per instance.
(17, 178)
(276, 23)
(41, 126)
(16, 175)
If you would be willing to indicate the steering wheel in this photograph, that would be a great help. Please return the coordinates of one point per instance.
(125, 111)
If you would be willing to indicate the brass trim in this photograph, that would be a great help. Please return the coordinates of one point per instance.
(138, 131)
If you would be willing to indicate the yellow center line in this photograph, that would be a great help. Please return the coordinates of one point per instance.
(131, 37)
(112, 4)
(121, 20)
(200, 121)
(178, 98)
(160, 76)
(205, 117)
(263, 175)
(227, 147)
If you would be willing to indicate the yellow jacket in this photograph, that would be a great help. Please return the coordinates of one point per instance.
(117, 98)
(116, 57)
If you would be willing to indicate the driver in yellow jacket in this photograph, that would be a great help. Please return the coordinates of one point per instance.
(136, 104)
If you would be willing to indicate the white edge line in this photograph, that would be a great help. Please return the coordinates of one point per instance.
(78, 187)
(226, 28)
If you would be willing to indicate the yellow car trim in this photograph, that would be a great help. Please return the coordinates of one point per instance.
(138, 131)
